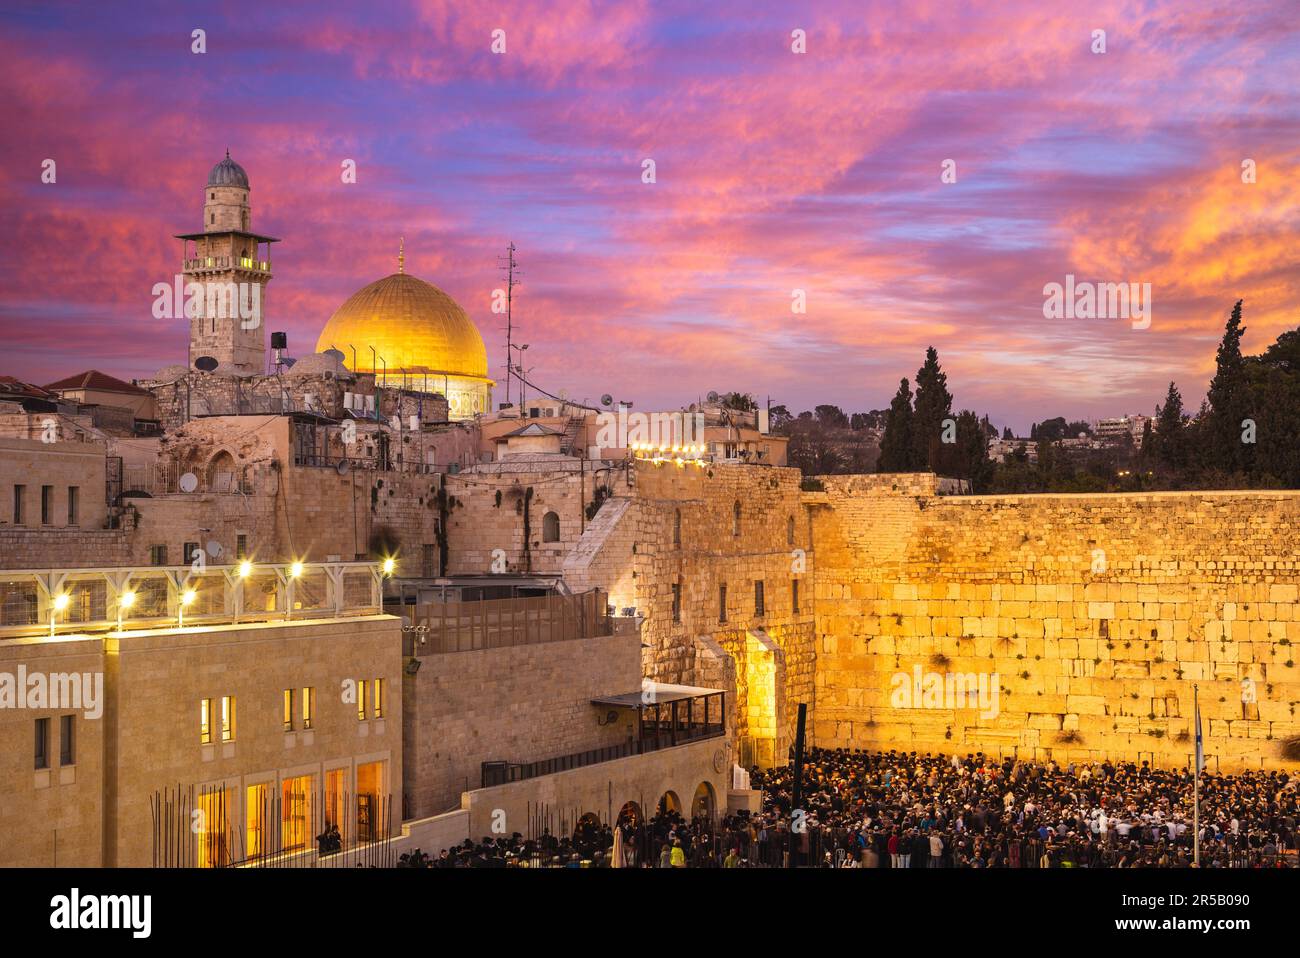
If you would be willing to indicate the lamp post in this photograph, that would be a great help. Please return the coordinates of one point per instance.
(60, 603)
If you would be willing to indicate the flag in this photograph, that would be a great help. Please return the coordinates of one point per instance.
(1200, 750)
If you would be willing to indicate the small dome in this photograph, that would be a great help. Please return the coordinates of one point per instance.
(228, 173)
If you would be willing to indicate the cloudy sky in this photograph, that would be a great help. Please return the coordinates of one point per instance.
(775, 171)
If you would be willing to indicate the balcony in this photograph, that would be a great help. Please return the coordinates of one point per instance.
(220, 263)
(444, 627)
(48, 602)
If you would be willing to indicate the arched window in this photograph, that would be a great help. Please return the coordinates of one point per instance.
(550, 527)
(677, 528)
(735, 520)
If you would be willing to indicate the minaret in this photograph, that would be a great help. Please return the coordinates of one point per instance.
(227, 258)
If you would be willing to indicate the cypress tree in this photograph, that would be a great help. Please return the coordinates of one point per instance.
(896, 444)
(933, 406)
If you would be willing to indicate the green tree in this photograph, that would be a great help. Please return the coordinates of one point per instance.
(1169, 438)
(1229, 404)
(896, 444)
(933, 406)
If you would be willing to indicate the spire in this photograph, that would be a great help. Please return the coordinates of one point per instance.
(227, 152)
(401, 255)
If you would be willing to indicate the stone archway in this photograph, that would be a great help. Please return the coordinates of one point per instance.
(705, 803)
(221, 473)
(669, 803)
(630, 815)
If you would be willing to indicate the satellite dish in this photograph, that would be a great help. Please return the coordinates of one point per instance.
(189, 482)
(334, 354)
(343, 468)
(607, 400)
(206, 363)
(712, 397)
(214, 548)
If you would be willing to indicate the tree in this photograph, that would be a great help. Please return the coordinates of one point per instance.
(1006, 433)
(778, 417)
(933, 406)
(896, 444)
(742, 402)
(1229, 403)
(1169, 439)
(832, 417)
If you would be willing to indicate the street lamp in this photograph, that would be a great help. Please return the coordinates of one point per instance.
(124, 602)
(60, 603)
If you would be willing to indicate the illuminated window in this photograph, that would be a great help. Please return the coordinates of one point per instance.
(288, 710)
(379, 698)
(295, 813)
(370, 784)
(361, 700)
(205, 721)
(212, 827)
(308, 706)
(255, 815)
(227, 718)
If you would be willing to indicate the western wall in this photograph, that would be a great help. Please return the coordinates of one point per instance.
(1097, 614)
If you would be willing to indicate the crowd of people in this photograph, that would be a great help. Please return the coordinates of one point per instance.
(894, 809)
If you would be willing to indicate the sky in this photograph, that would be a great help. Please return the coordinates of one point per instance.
(775, 171)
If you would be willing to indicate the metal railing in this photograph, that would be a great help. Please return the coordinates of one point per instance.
(503, 773)
(443, 627)
(52, 601)
(168, 478)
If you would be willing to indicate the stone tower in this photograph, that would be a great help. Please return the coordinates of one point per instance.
(228, 260)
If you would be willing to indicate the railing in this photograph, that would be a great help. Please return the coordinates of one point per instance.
(52, 601)
(168, 477)
(443, 627)
(224, 262)
(313, 460)
(503, 773)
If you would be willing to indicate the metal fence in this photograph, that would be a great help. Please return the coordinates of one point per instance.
(443, 627)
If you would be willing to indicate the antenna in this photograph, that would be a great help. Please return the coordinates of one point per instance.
(510, 268)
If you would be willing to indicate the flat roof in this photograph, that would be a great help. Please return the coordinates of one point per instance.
(660, 692)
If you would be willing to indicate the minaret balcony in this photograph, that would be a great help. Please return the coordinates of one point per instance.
(216, 264)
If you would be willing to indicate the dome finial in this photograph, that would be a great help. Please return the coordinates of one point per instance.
(401, 255)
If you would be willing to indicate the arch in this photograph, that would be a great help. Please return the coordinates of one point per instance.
(669, 803)
(735, 519)
(705, 802)
(630, 815)
(551, 527)
(221, 472)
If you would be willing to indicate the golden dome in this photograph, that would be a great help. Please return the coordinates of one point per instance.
(414, 326)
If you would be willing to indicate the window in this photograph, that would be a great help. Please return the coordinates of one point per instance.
(677, 602)
(789, 531)
(42, 743)
(188, 551)
(550, 527)
(378, 703)
(758, 597)
(735, 519)
(722, 602)
(794, 596)
(47, 505)
(295, 813)
(428, 560)
(361, 700)
(67, 743)
(158, 555)
(288, 710)
(227, 718)
(18, 504)
(256, 801)
(677, 528)
(205, 721)
(74, 496)
(308, 706)
(241, 546)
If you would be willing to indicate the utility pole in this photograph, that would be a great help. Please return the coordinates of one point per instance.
(509, 267)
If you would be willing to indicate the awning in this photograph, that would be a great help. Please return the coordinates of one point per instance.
(657, 693)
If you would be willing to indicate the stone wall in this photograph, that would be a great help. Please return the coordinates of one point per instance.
(518, 704)
(1096, 613)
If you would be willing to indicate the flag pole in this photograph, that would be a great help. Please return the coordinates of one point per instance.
(1196, 787)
